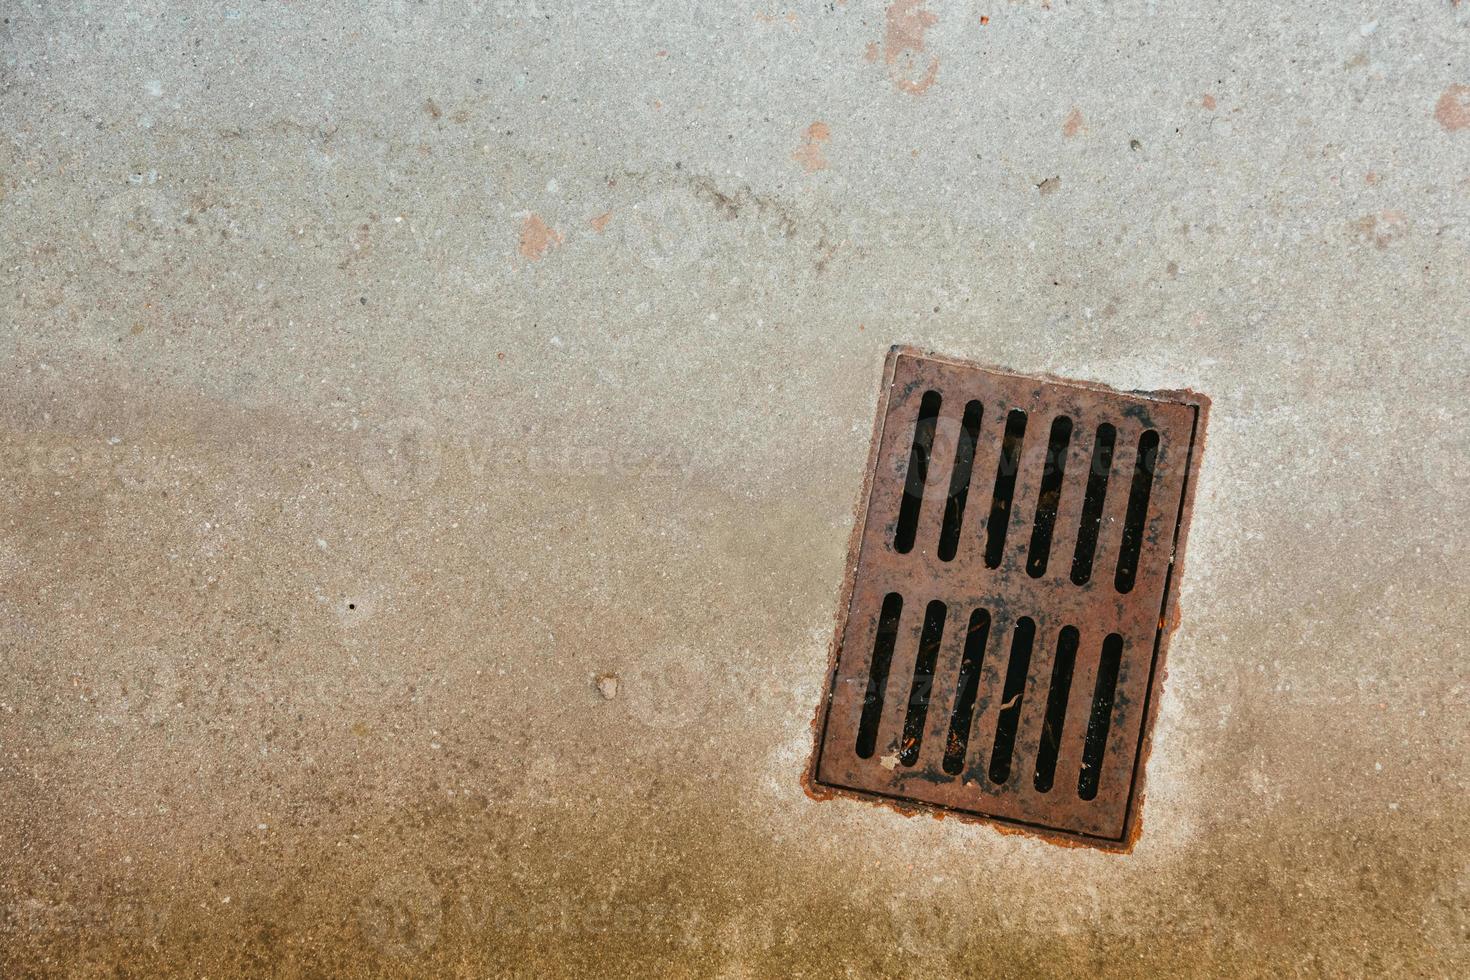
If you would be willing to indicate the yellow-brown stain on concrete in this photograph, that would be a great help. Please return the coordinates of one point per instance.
(599, 224)
(905, 24)
(1453, 108)
(537, 237)
(809, 154)
(465, 811)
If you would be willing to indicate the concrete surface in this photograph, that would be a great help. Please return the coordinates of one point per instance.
(431, 433)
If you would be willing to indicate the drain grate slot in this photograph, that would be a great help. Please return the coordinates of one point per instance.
(1092, 507)
(998, 655)
(959, 483)
(1005, 488)
(887, 635)
(1143, 479)
(1050, 497)
(919, 690)
(1056, 710)
(966, 688)
(1010, 707)
(918, 474)
(1101, 718)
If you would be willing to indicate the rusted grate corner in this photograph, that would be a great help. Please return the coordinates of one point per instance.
(1011, 586)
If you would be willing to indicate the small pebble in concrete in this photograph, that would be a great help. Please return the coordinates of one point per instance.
(607, 686)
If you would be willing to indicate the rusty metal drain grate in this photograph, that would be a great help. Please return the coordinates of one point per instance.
(1009, 594)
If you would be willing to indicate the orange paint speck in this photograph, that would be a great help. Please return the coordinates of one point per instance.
(537, 237)
(1381, 229)
(1453, 108)
(903, 45)
(1208, 101)
(984, 20)
(1073, 123)
(765, 18)
(809, 154)
(599, 223)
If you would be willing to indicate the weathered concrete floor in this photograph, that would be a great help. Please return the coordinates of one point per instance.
(373, 382)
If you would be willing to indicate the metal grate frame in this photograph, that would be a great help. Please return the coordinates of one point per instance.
(977, 651)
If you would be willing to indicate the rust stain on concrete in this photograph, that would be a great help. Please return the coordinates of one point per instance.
(1073, 124)
(905, 25)
(1381, 229)
(537, 237)
(1453, 108)
(809, 154)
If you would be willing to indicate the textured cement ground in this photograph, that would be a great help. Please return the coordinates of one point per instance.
(375, 380)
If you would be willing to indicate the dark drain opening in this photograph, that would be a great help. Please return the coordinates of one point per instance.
(1050, 497)
(878, 674)
(1092, 503)
(966, 688)
(923, 684)
(1010, 706)
(918, 475)
(1005, 487)
(1056, 709)
(1101, 718)
(1143, 480)
(959, 482)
